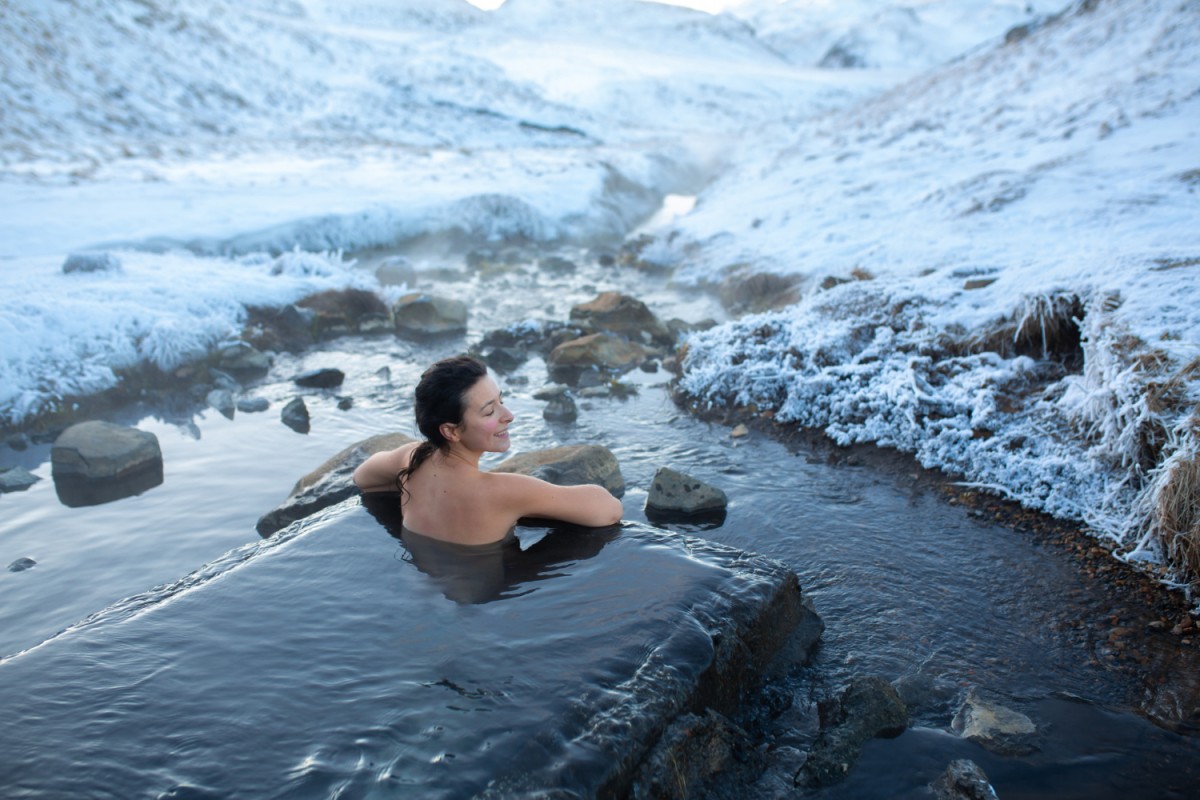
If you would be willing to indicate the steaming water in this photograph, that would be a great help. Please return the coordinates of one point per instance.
(911, 588)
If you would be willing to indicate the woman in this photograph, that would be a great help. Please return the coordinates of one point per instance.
(443, 493)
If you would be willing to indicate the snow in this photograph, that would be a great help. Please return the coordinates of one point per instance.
(900, 154)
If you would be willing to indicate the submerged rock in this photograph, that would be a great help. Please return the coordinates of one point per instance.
(868, 707)
(336, 626)
(993, 726)
(16, 479)
(963, 780)
(560, 409)
(243, 360)
(253, 405)
(222, 401)
(22, 564)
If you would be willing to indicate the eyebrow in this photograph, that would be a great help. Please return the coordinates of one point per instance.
(489, 402)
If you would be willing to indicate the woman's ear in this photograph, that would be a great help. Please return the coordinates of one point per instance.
(449, 431)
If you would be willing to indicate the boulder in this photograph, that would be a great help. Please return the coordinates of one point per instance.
(623, 315)
(295, 415)
(97, 462)
(420, 314)
(694, 749)
(993, 726)
(570, 465)
(242, 359)
(324, 378)
(963, 780)
(102, 450)
(868, 707)
(337, 312)
(91, 262)
(16, 479)
(596, 351)
(676, 492)
(330, 483)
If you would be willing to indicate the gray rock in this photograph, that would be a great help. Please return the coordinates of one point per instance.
(420, 314)
(762, 291)
(97, 450)
(17, 441)
(222, 400)
(330, 483)
(993, 726)
(16, 479)
(676, 492)
(223, 380)
(324, 378)
(570, 465)
(867, 708)
(560, 409)
(91, 262)
(550, 391)
(22, 564)
(598, 350)
(295, 415)
(556, 265)
(241, 358)
(963, 780)
(253, 405)
(694, 749)
(624, 316)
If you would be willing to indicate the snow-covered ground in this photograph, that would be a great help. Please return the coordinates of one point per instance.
(226, 153)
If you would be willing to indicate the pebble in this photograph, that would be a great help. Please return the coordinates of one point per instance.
(739, 430)
(21, 564)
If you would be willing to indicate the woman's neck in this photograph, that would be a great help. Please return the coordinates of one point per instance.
(459, 456)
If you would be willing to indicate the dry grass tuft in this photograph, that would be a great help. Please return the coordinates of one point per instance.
(1177, 507)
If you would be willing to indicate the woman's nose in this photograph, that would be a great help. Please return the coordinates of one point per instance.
(505, 414)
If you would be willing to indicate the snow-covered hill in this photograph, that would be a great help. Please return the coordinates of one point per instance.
(1036, 199)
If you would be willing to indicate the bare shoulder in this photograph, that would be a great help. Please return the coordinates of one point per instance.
(378, 472)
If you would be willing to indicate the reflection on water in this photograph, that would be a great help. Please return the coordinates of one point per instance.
(474, 574)
(79, 491)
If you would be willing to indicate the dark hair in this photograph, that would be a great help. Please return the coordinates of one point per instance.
(439, 399)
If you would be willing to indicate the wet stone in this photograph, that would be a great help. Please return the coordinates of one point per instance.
(570, 465)
(22, 564)
(963, 780)
(242, 359)
(295, 415)
(560, 409)
(91, 262)
(98, 449)
(222, 401)
(673, 491)
(16, 479)
(420, 314)
(323, 378)
(868, 707)
(253, 405)
(17, 441)
(993, 726)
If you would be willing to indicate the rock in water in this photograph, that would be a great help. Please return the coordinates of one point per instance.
(295, 415)
(330, 483)
(570, 465)
(868, 707)
(997, 728)
(675, 492)
(335, 626)
(963, 780)
(96, 462)
(423, 314)
(16, 479)
(91, 262)
(325, 378)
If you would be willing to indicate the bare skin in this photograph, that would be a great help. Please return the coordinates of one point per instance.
(451, 499)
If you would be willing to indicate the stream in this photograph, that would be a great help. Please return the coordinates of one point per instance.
(925, 593)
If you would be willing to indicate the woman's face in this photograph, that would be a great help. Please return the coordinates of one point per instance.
(484, 427)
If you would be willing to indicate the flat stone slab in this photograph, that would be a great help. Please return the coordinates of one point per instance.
(334, 660)
(98, 450)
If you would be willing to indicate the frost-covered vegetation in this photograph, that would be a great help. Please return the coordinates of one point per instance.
(1000, 259)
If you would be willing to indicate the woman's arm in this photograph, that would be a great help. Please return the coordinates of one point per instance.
(526, 496)
(378, 472)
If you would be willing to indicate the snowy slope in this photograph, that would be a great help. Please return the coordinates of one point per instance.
(987, 216)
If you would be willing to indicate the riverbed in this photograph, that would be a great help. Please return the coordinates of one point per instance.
(933, 595)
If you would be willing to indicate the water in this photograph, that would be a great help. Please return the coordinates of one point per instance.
(911, 588)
